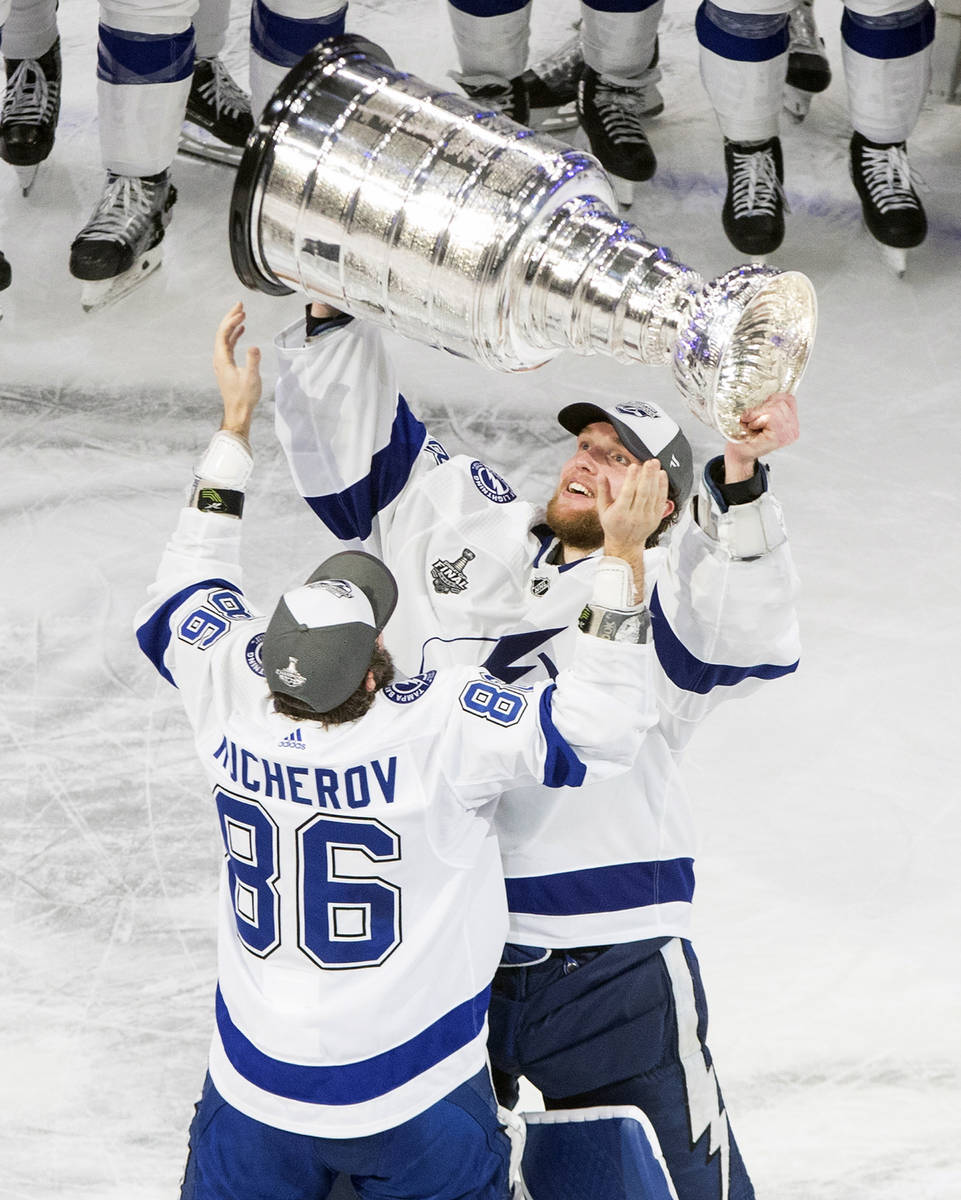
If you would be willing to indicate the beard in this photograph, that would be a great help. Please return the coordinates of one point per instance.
(580, 531)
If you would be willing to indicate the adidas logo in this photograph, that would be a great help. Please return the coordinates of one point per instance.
(294, 741)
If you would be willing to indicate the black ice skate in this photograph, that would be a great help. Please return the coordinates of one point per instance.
(808, 68)
(610, 115)
(891, 207)
(6, 275)
(506, 96)
(120, 246)
(31, 106)
(754, 207)
(218, 117)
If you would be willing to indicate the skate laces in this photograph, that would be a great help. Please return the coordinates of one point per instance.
(221, 92)
(888, 176)
(126, 206)
(755, 187)
(619, 110)
(29, 94)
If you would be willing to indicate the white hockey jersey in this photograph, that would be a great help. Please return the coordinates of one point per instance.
(362, 907)
(612, 862)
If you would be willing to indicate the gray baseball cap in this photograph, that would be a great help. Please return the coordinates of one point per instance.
(320, 639)
(646, 431)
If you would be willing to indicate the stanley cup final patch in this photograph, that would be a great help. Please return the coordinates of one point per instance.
(448, 577)
(290, 675)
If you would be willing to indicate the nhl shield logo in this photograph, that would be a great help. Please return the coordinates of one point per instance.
(448, 578)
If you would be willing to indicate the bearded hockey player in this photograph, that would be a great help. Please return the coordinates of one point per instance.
(599, 998)
(362, 901)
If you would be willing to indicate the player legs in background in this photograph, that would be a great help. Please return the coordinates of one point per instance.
(218, 111)
(887, 53)
(281, 33)
(808, 68)
(31, 101)
(492, 39)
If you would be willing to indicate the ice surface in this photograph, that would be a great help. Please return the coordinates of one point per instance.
(828, 884)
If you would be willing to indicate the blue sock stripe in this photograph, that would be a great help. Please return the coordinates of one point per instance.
(488, 8)
(620, 6)
(124, 57)
(285, 40)
(685, 670)
(603, 889)
(738, 48)
(356, 1082)
(896, 40)
(351, 512)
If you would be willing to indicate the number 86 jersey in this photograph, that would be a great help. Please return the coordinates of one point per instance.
(362, 906)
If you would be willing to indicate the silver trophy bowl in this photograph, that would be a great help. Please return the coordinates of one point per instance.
(389, 199)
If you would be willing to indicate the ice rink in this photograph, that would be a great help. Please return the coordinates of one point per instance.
(828, 882)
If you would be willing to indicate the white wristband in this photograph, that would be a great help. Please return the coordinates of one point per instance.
(613, 583)
(227, 461)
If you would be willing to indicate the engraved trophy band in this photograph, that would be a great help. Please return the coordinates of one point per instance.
(389, 199)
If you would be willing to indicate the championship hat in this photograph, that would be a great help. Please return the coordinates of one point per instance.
(319, 641)
(646, 431)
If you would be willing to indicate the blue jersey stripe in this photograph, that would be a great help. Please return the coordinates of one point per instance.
(285, 40)
(353, 1083)
(688, 672)
(603, 889)
(893, 41)
(125, 57)
(153, 636)
(739, 49)
(562, 767)
(350, 513)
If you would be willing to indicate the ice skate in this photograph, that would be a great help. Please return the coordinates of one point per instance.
(31, 106)
(6, 275)
(552, 86)
(808, 68)
(218, 117)
(610, 115)
(506, 96)
(120, 246)
(754, 207)
(891, 207)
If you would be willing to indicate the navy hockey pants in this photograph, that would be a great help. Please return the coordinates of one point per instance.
(621, 1025)
(453, 1150)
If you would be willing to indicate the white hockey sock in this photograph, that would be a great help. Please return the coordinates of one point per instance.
(620, 45)
(887, 66)
(743, 63)
(30, 29)
(491, 46)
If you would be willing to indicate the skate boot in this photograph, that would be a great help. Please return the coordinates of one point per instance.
(552, 86)
(610, 115)
(218, 117)
(121, 243)
(31, 106)
(754, 207)
(808, 69)
(891, 207)
(506, 96)
(6, 275)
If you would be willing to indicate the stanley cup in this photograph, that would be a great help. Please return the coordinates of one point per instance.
(389, 199)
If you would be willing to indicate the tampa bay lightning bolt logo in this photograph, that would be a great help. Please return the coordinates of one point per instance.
(433, 447)
(638, 409)
(409, 690)
(254, 654)
(491, 485)
(337, 587)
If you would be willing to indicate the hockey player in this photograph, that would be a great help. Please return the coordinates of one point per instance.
(362, 908)
(31, 99)
(599, 999)
(616, 87)
(887, 63)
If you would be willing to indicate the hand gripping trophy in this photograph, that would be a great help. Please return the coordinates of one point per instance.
(370, 190)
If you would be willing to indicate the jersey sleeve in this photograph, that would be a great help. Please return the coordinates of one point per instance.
(196, 608)
(585, 726)
(351, 441)
(723, 621)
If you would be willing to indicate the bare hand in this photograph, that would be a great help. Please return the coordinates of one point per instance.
(630, 518)
(768, 427)
(240, 387)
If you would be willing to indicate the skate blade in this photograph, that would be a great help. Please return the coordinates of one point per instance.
(100, 293)
(797, 103)
(27, 177)
(893, 257)
(623, 190)
(197, 142)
